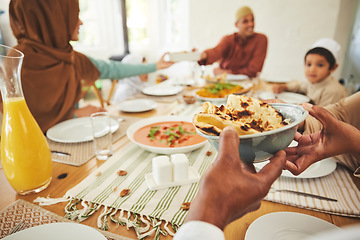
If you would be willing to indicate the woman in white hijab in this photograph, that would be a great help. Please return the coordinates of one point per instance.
(130, 86)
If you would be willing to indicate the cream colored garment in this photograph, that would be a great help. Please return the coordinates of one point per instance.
(347, 110)
(322, 93)
(130, 86)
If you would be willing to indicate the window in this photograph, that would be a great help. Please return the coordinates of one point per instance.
(153, 26)
(101, 34)
(157, 26)
(137, 19)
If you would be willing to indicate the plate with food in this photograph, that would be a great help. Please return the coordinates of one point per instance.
(287, 225)
(165, 135)
(220, 91)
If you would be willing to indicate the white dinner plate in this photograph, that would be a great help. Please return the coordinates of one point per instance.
(293, 98)
(162, 150)
(162, 90)
(75, 130)
(58, 231)
(316, 170)
(137, 105)
(236, 77)
(277, 80)
(286, 225)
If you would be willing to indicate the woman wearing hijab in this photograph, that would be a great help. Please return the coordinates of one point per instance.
(52, 72)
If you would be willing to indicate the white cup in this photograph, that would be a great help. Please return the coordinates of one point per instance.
(101, 128)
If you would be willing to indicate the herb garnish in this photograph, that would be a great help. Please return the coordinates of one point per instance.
(171, 135)
(153, 131)
(218, 87)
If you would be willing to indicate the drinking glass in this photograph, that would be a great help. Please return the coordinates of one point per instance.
(101, 127)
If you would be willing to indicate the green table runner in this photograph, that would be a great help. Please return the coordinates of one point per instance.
(104, 185)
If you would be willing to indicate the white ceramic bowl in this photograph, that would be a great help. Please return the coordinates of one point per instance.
(260, 146)
(162, 150)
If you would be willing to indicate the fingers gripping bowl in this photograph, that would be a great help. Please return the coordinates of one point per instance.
(257, 147)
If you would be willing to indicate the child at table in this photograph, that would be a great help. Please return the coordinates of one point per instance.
(320, 62)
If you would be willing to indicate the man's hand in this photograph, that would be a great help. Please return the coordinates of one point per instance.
(231, 188)
(161, 64)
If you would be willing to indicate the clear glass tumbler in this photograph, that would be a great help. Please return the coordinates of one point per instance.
(101, 127)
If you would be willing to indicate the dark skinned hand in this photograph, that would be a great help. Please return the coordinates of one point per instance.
(335, 138)
(231, 188)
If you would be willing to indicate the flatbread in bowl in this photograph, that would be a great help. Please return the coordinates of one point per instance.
(247, 115)
(263, 128)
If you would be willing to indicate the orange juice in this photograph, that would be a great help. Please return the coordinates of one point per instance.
(25, 154)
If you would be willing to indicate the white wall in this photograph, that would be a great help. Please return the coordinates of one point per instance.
(351, 69)
(290, 25)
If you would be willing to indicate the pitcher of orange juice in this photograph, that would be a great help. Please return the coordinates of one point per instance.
(25, 154)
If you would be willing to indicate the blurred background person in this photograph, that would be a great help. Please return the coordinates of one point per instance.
(320, 62)
(242, 52)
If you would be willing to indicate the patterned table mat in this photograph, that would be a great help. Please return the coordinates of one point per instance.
(82, 152)
(338, 185)
(34, 215)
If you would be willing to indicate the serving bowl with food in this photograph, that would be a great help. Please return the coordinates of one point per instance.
(263, 128)
(165, 135)
(220, 91)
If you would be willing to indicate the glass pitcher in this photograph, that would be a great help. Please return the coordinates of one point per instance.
(25, 154)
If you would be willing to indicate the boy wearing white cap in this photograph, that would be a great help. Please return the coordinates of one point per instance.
(320, 62)
(242, 52)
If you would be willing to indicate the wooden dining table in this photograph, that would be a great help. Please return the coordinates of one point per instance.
(75, 174)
